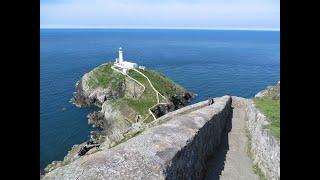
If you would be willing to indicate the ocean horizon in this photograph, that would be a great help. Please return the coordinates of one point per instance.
(163, 28)
(206, 62)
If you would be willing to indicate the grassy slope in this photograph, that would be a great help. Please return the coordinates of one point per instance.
(147, 99)
(270, 107)
(163, 84)
(103, 76)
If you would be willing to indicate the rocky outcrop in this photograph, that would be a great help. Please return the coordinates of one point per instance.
(181, 101)
(96, 119)
(270, 91)
(162, 109)
(85, 96)
(175, 149)
(71, 156)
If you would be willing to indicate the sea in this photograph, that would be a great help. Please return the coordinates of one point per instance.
(206, 62)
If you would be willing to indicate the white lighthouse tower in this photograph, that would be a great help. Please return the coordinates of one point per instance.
(121, 65)
(120, 56)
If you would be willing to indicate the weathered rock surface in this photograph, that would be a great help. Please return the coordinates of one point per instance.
(86, 96)
(270, 91)
(176, 149)
(96, 119)
(264, 147)
(71, 156)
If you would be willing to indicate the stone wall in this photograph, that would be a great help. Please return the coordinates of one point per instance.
(264, 147)
(189, 162)
(175, 149)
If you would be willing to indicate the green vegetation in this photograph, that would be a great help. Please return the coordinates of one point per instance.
(249, 152)
(146, 100)
(163, 84)
(119, 142)
(136, 134)
(104, 76)
(259, 172)
(141, 106)
(149, 119)
(270, 107)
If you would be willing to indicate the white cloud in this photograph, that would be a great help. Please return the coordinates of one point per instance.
(169, 13)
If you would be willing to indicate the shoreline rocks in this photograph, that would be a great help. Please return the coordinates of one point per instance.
(96, 119)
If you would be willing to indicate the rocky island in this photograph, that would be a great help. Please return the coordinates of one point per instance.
(128, 100)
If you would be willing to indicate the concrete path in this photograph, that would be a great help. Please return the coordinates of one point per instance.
(232, 161)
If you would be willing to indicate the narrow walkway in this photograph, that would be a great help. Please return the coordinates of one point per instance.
(231, 161)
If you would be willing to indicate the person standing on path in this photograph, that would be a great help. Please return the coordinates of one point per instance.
(91, 140)
(210, 100)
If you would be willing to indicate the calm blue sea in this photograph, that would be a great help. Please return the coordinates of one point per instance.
(207, 62)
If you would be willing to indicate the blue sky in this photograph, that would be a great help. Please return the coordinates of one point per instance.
(212, 14)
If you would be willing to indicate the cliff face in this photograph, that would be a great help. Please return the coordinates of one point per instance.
(100, 84)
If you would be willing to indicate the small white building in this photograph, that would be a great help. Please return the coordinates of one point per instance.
(142, 67)
(122, 65)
